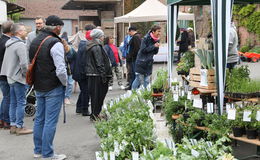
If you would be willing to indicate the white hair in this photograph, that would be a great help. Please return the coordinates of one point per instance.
(50, 28)
(16, 27)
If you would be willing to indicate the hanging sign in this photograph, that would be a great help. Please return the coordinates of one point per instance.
(197, 103)
(258, 115)
(210, 108)
(231, 114)
(246, 116)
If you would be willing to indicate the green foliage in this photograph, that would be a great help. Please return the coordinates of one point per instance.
(206, 58)
(248, 16)
(15, 17)
(255, 50)
(161, 79)
(186, 62)
(244, 49)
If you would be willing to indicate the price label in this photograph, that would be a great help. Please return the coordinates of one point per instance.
(231, 114)
(144, 149)
(203, 77)
(135, 156)
(112, 156)
(189, 95)
(105, 156)
(195, 153)
(182, 93)
(175, 97)
(116, 148)
(197, 103)
(98, 156)
(258, 115)
(246, 116)
(210, 108)
(228, 106)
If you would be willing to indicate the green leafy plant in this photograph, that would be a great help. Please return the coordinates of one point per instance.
(186, 62)
(206, 58)
(161, 79)
(244, 49)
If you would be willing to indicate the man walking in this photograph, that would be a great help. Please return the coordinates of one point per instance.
(133, 48)
(4, 108)
(39, 24)
(14, 67)
(49, 81)
(79, 74)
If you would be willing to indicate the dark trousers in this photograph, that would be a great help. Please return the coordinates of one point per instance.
(130, 65)
(97, 92)
(231, 65)
(83, 99)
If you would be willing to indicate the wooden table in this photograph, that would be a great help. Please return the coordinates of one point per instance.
(244, 139)
(255, 100)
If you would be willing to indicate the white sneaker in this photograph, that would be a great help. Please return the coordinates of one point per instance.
(58, 157)
(122, 87)
(37, 155)
(110, 88)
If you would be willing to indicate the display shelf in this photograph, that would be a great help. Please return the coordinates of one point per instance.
(244, 139)
(255, 100)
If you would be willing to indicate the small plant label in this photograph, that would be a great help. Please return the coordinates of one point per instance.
(144, 149)
(246, 116)
(258, 115)
(228, 106)
(175, 97)
(203, 77)
(197, 103)
(98, 156)
(210, 108)
(116, 148)
(135, 156)
(182, 93)
(105, 156)
(112, 156)
(195, 153)
(189, 95)
(231, 114)
(105, 106)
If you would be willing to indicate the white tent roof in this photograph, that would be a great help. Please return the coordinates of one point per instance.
(150, 10)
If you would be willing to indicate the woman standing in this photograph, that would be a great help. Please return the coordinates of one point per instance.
(144, 61)
(184, 43)
(113, 54)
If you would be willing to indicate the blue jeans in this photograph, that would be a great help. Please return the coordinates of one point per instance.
(47, 115)
(17, 104)
(5, 105)
(140, 79)
(69, 87)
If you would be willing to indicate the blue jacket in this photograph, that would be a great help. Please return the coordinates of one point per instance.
(71, 58)
(144, 60)
(78, 72)
(111, 56)
(125, 48)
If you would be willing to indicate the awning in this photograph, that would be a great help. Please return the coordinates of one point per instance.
(14, 8)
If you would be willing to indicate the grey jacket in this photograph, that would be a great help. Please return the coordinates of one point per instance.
(30, 38)
(15, 62)
(232, 46)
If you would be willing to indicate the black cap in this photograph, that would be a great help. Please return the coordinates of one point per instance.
(54, 21)
(132, 28)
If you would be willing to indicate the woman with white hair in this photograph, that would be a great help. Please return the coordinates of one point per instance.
(98, 71)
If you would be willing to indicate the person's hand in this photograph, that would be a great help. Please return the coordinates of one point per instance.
(157, 44)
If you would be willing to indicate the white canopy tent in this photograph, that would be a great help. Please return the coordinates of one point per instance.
(150, 10)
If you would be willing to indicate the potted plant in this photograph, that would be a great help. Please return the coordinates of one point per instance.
(238, 126)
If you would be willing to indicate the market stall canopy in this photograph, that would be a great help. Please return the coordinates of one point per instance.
(150, 10)
(207, 2)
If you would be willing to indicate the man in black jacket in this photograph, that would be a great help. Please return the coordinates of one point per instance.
(134, 46)
(79, 74)
(98, 71)
(4, 108)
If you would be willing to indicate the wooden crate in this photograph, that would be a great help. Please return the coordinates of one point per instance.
(195, 77)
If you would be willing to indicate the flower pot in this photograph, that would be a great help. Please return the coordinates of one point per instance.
(251, 133)
(237, 132)
(258, 134)
(199, 122)
(155, 90)
(186, 116)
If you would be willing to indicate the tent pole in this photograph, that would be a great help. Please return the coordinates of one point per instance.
(195, 32)
(115, 42)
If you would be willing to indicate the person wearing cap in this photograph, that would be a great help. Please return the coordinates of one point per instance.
(98, 71)
(39, 24)
(191, 37)
(79, 74)
(50, 77)
(133, 48)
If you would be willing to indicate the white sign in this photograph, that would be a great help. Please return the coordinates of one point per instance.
(231, 114)
(203, 77)
(116, 148)
(189, 95)
(105, 156)
(144, 149)
(175, 97)
(210, 108)
(197, 103)
(228, 106)
(98, 156)
(246, 116)
(195, 153)
(112, 156)
(258, 115)
(135, 156)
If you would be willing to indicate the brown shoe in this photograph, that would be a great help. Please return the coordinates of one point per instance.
(23, 131)
(13, 130)
(6, 125)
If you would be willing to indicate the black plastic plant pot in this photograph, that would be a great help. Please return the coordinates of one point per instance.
(199, 122)
(258, 131)
(251, 133)
(186, 116)
(160, 90)
(155, 90)
(238, 132)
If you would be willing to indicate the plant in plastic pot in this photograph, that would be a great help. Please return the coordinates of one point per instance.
(251, 130)
(238, 126)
